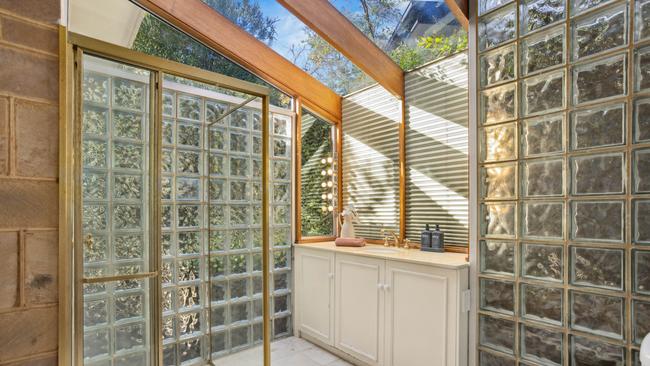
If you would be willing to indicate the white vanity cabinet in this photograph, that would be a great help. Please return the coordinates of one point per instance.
(384, 311)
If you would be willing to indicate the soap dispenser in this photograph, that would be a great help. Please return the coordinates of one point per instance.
(425, 238)
(437, 240)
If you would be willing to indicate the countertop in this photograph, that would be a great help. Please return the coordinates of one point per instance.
(443, 260)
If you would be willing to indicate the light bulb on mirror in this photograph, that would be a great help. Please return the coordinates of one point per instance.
(329, 196)
(330, 172)
(324, 196)
(330, 208)
(323, 208)
(323, 184)
(330, 184)
(323, 172)
(330, 160)
(323, 161)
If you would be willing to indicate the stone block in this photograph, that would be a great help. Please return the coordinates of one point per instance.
(25, 203)
(46, 11)
(40, 361)
(41, 265)
(4, 136)
(29, 35)
(26, 74)
(28, 332)
(9, 270)
(37, 139)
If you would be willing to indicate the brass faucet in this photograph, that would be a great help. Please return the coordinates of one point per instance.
(396, 240)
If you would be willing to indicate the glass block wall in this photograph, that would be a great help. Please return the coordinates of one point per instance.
(212, 224)
(564, 167)
(114, 213)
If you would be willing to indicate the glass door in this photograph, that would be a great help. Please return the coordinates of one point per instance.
(114, 215)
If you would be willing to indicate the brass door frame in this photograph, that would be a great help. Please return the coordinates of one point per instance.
(72, 47)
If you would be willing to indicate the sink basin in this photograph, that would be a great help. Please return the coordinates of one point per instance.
(380, 250)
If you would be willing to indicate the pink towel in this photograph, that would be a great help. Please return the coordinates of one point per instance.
(350, 242)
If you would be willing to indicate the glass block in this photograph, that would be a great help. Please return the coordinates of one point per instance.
(598, 174)
(542, 51)
(239, 215)
(598, 314)
(238, 263)
(642, 69)
(128, 246)
(281, 193)
(189, 323)
(128, 187)
(217, 164)
(544, 93)
(600, 31)
(642, 119)
(601, 79)
(239, 167)
(169, 328)
(257, 215)
(132, 359)
(239, 190)
(217, 215)
(280, 303)
(127, 125)
(188, 189)
(239, 311)
(597, 221)
(641, 171)
(169, 103)
(217, 266)
(95, 88)
(239, 336)
(96, 343)
(127, 156)
(188, 161)
(499, 143)
(239, 142)
(130, 336)
(280, 237)
(166, 216)
(543, 178)
(189, 242)
(641, 272)
(281, 326)
(218, 341)
(541, 346)
(188, 296)
(497, 257)
(281, 170)
(499, 104)
(94, 120)
(189, 135)
(543, 135)
(94, 217)
(239, 288)
(168, 132)
(95, 248)
(543, 220)
(190, 349)
(499, 220)
(281, 148)
(213, 111)
(543, 304)
(581, 6)
(94, 153)
(487, 5)
(95, 312)
(281, 258)
(258, 308)
(240, 119)
(168, 300)
(257, 121)
(489, 359)
(239, 239)
(281, 281)
(640, 320)
(499, 181)
(128, 94)
(535, 14)
(94, 185)
(189, 107)
(597, 267)
(497, 296)
(641, 221)
(497, 27)
(642, 20)
(281, 126)
(218, 290)
(588, 352)
(257, 145)
(128, 306)
(542, 262)
(498, 65)
(218, 316)
(128, 269)
(217, 240)
(281, 215)
(600, 126)
(217, 189)
(127, 217)
(497, 333)
(167, 160)
(257, 169)
(188, 216)
(217, 139)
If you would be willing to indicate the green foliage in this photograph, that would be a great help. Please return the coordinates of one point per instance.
(441, 46)
(407, 57)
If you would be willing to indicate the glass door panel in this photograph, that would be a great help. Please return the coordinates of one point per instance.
(114, 213)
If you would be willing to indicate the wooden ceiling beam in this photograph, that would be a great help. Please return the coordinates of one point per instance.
(324, 19)
(217, 32)
(460, 9)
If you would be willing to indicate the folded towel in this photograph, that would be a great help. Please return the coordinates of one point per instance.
(350, 242)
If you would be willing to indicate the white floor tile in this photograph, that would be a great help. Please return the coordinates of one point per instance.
(291, 351)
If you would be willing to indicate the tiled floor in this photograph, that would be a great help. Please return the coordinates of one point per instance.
(290, 351)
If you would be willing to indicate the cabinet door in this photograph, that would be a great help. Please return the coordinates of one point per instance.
(359, 307)
(421, 315)
(315, 293)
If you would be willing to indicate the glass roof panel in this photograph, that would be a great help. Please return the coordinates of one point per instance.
(274, 25)
(410, 32)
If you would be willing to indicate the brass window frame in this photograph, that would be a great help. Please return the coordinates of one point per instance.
(72, 47)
